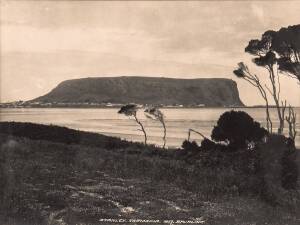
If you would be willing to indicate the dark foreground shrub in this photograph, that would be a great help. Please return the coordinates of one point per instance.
(278, 162)
(237, 128)
(268, 169)
(277, 168)
(289, 171)
(207, 145)
(190, 146)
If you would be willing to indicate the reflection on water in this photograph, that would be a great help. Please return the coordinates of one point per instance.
(109, 122)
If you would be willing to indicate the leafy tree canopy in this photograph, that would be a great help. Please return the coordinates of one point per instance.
(128, 110)
(285, 43)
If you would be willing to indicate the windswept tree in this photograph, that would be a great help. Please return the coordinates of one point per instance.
(243, 72)
(267, 58)
(131, 110)
(155, 114)
(285, 43)
(278, 52)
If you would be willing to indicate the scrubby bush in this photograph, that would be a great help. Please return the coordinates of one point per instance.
(190, 146)
(189, 151)
(2, 176)
(289, 171)
(277, 169)
(237, 128)
(267, 166)
(207, 144)
(278, 161)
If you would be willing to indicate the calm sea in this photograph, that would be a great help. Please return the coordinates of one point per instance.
(107, 121)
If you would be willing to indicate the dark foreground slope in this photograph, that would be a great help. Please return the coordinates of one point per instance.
(146, 90)
(50, 182)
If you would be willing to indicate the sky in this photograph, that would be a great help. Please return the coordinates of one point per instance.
(46, 42)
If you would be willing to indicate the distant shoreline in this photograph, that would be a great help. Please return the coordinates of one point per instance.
(116, 107)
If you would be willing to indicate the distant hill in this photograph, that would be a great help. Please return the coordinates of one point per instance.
(146, 90)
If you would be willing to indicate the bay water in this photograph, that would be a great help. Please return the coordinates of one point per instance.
(107, 121)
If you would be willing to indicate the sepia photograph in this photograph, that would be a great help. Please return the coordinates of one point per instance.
(149, 112)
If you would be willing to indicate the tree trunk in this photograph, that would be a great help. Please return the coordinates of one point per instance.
(276, 100)
(143, 130)
(165, 134)
(269, 121)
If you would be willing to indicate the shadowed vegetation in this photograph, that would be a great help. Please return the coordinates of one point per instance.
(44, 180)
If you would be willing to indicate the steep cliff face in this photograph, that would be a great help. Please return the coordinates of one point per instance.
(146, 90)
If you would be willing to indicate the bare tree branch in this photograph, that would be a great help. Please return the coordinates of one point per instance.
(197, 132)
